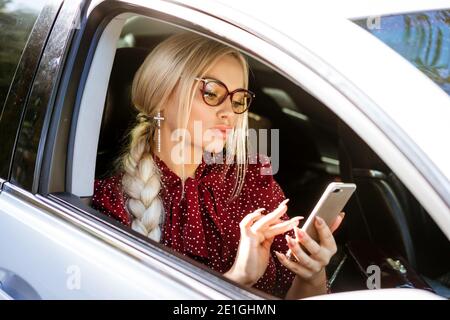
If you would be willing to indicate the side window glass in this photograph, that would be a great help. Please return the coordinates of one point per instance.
(17, 21)
(17, 18)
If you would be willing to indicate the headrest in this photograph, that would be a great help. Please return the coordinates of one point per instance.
(119, 113)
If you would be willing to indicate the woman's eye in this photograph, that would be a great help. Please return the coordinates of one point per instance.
(210, 94)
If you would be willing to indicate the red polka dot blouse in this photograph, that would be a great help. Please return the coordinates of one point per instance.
(204, 224)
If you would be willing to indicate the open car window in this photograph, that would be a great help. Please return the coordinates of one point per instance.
(383, 217)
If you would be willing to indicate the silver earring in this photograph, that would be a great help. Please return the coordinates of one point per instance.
(158, 119)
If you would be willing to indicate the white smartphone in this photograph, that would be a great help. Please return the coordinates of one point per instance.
(330, 204)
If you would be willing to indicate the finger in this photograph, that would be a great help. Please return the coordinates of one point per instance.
(282, 227)
(278, 221)
(248, 220)
(316, 251)
(310, 244)
(301, 256)
(337, 222)
(268, 220)
(294, 266)
(275, 214)
(325, 236)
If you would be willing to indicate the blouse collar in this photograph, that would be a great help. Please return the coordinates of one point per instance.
(169, 178)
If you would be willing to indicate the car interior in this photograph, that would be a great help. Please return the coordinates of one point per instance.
(385, 225)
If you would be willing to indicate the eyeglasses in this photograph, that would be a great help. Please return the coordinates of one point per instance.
(214, 92)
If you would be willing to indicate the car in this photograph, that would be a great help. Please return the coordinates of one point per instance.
(358, 93)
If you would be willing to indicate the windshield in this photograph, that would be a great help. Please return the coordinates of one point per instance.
(422, 38)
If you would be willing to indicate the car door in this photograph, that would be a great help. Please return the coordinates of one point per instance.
(50, 249)
(25, 27)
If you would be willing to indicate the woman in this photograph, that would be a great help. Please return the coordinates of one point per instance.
(185, 178)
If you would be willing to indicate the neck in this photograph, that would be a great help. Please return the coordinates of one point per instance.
(170, 154)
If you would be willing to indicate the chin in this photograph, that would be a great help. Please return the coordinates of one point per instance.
(215, 146)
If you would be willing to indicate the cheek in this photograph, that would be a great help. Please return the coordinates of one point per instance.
(199, 120)
(170, 118)
(233, 120)
(198, 112)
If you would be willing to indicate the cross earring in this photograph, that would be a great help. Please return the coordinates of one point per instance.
(158, 119)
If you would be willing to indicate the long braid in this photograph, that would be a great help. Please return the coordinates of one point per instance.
(166, 78)
(141, 181)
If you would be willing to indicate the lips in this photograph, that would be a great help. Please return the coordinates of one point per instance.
(223, 129)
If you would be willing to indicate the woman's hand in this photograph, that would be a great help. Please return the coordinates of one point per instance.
(257, 234)
(310, 264)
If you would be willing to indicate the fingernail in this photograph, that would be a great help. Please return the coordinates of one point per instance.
(291, 240)
(295, 221)
(288, 238)
(319, 221)
(284, 202)
(294, 224)
(300, 234)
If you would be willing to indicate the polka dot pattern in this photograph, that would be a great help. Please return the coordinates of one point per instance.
(204, 224)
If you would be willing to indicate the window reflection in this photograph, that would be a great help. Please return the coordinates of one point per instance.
(421, 38)
(17, 18)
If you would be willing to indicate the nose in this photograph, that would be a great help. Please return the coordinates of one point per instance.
(225, 111)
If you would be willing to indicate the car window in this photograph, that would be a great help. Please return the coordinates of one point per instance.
(422, 38)
(17, 18)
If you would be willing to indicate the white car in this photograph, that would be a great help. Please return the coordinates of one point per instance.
(360, 93)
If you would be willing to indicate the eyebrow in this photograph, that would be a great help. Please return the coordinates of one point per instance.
(211, 78)
(206, 76)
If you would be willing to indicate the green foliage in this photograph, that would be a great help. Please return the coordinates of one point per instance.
(15, 28)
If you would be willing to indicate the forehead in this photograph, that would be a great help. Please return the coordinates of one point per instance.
(229, 70)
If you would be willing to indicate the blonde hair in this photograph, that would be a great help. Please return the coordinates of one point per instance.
(171, 69)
